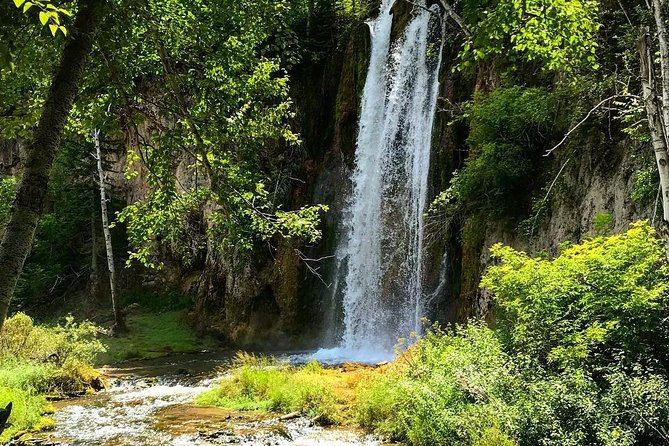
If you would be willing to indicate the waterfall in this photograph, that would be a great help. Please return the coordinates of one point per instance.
(380, 254)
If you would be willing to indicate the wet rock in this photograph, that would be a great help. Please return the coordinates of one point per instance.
(98, 384)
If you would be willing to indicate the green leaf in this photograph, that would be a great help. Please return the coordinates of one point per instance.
(63, 30)
(18, 3)
(27, 6)
(54, 29)
(43, 17)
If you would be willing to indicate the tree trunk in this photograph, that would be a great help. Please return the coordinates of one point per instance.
(119, 321)
(94, 278)
(31, 194)
(658, 14)
(658, 128)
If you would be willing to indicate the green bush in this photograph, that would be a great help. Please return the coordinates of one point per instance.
(508, 130)
(603, 302)
(451, 390)
(27, 413)
(37, 360)
(578, 357)
(45, 359)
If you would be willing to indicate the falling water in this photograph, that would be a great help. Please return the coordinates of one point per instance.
(380, 254)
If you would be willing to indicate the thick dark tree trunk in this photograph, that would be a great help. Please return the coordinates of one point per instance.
(40, 153)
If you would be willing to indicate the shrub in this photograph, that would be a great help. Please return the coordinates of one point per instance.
(44, 359)
(505, 146)
(37, 360)
(603, 302)
(450, 391)
(578, 356)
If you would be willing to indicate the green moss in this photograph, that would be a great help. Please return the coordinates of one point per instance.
(603, 223)
(473, 238)
(153, 335)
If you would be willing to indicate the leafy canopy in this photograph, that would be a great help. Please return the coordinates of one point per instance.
(558, 35)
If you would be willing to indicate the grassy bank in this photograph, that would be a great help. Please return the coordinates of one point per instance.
(39, 361)
(264, 384)
(152, 335)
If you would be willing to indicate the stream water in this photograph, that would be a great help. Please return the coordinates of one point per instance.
(149, 403)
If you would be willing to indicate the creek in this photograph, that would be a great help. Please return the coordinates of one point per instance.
(150, 403)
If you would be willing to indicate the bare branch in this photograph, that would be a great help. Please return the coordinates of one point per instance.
(592, 110)
(548, 193)
(455, 17)
(313, 270)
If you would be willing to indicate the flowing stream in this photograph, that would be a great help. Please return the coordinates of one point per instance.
(150, 404)
(380, 255)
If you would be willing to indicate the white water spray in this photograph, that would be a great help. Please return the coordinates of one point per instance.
(380, 255)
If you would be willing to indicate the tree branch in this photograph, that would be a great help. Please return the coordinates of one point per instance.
(592, 110)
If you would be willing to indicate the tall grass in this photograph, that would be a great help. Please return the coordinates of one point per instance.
(264, 384)
(36, 361)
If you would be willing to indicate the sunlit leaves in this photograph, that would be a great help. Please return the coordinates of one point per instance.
(219, 112)
(607, 293)
(48, 14)
(558, 35)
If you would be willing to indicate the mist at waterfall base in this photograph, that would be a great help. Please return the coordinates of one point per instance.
(380, 252)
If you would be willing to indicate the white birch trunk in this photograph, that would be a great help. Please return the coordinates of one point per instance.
(656, 123)
(658, 14)
(118, 316)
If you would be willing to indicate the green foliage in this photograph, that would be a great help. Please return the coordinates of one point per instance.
(578, 356)
(603, 223)
(48, 359)
(505, 143)
(268, 385)
(56, 264)
(7, 191)
(559, 36)
(450, 389)
(218, 76)
(601, 302)
(70, 341)
(646, 184)
(48, 13)
(27, 413)
(37, 360)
